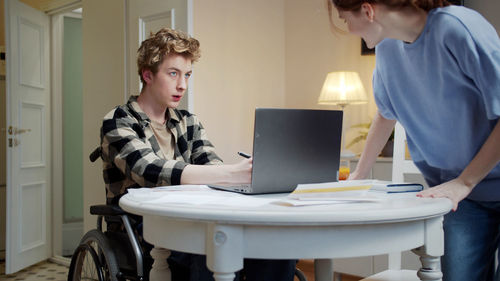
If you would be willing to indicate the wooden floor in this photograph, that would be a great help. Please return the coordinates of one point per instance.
(307, 267)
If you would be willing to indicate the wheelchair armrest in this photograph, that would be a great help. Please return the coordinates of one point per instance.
(95, 154)
(107, 210)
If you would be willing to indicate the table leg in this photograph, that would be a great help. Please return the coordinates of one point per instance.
(224, 249)
(323, 269)
(430, 254)
(160, 269)
(431, 266)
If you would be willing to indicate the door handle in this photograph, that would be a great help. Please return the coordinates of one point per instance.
(16, 131)
(21, 131)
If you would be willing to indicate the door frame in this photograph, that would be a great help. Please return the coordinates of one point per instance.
(57, 33)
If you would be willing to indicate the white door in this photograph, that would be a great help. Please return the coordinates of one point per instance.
(146, 17)
(28, 138)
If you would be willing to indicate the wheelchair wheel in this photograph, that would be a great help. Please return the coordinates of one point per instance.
(85, 265)
(94, 259)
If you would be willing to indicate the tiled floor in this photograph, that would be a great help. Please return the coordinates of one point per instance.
(39, 272)
(52, 271)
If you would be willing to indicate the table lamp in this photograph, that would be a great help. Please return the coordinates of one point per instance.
(343, 88)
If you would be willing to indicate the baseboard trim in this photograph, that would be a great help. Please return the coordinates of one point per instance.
(60, 260)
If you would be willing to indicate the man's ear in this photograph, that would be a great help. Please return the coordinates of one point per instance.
(147, 75)
(368, 10)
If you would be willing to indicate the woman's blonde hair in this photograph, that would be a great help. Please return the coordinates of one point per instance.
(165, 42)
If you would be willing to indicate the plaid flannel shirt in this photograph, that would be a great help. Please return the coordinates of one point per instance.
(132, 157)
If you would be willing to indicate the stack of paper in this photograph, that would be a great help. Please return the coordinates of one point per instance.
(349, 191)
(336, 190)
(328, 193)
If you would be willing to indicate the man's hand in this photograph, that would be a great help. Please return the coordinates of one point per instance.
(455, 190)
(241, 172)
(238, 173)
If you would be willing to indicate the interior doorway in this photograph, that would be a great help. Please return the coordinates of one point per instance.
(67, 229)
(68, 131)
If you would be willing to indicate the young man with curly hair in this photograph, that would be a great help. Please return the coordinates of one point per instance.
(148, 142)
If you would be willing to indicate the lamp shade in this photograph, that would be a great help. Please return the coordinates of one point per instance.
(342, 88)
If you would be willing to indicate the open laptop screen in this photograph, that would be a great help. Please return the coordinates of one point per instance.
(293, 146)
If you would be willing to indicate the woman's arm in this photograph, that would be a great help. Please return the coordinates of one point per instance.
(484, 161)
(379, 133)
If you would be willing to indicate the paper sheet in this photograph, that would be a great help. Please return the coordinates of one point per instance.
(195, 195)
(304, 195)
(343, 192)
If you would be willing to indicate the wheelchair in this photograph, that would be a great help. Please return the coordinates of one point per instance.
(119, 253)
(113, 255)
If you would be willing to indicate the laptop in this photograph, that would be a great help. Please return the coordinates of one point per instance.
(290, 147)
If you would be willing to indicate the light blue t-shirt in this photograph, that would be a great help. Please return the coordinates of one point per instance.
(444, 89)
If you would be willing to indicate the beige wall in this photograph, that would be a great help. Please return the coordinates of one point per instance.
(254, 54)
(2, 24)
(237, 73)
(47, 5)
(277, 56)
(313, 50)
(242, 67)
(103, 86)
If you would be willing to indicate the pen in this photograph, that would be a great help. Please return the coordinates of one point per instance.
(243, 154)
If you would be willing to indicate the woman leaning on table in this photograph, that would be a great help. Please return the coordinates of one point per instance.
(438, 74)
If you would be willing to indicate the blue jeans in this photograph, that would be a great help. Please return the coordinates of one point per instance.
(191, 267)
(472, 235)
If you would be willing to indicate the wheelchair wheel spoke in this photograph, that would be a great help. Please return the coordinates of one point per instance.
(94, 259)
(102, 260)
(86, 266)
(90, 271)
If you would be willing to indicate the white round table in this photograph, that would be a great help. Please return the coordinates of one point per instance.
(228, 234)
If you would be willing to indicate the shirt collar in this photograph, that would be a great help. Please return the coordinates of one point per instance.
(172, 114)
